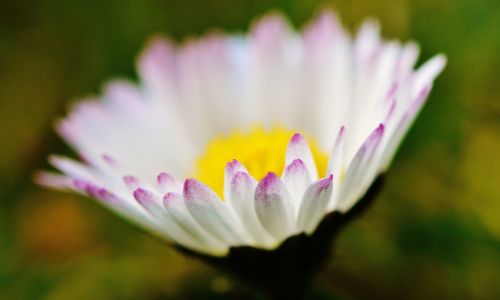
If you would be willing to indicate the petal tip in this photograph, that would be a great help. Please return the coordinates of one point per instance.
(108, 159)
(379, 130)
(143, 196)
(442, 59)
(325, 183)
(297, 138)
(233, 165)
(194, 189)
(374, 138)
(270, 178)
(169, 197)
(295, 165)
(268, 184)
(342, 130)
(130, 181)
(239, 177)
(164, 178)
(189, 185)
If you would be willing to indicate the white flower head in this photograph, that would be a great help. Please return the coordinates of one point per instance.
(273, 130)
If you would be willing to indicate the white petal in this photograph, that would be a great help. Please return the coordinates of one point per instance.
(231, 169)
(53, 180)
(242, 191)
(299, 149)
(401, 128)
(327, 78)
(72, 167)
(314, 204)
(336, 157)
(131, 182)
(157, 63)
(428, 72)
(177, 210)
(336, 164)
(212, 213)
(296, 178)
(97, 192)
(408, 58)
(274, 207)
(119, 204)
(168, 183)
(367, 39)
(361, 171)
(152, 204)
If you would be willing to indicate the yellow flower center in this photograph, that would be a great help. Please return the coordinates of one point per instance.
(259, 150)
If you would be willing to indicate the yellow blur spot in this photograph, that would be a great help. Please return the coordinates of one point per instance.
(259, 150)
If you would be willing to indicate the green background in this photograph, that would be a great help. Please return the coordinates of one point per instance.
(434, 232)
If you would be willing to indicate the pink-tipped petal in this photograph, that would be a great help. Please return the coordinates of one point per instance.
(242, 190)
(299, 149)
(323, 32)
(336, 163)
(274, 207)
(109, 160)
(131, 182)
(119, 205)
(96, 192)
(168, 183)
(296, 178)
(426, 74)
(177, 210)
(361, 170)
(211, 212)
(408, 58)
(394, 140)
(167, 224)
(144, 197)
(157, 61)
(72, 168)
(231, 169)
(314, 205)
(270, 35)
(53, 180)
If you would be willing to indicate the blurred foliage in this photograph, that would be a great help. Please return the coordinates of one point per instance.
(434, 233)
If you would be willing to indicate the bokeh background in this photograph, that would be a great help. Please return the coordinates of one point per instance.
(434, 232)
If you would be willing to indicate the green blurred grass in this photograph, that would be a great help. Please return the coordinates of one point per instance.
(433, 233)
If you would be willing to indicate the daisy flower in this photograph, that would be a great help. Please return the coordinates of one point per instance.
(234, 141)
